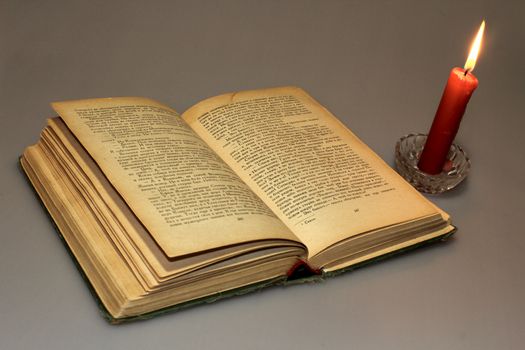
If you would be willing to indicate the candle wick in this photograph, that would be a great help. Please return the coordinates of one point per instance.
(466, 72)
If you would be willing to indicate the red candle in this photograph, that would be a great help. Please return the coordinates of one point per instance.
(460, 86)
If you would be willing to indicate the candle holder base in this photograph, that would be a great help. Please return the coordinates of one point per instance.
(408, 150)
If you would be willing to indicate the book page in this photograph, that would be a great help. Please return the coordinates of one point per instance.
(86, 179)
(183, 193)
(318, 177)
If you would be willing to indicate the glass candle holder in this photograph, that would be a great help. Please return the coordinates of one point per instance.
(408, 150)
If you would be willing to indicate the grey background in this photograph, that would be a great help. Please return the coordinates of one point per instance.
(380, 66)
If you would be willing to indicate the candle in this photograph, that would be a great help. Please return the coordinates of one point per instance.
(460, 86)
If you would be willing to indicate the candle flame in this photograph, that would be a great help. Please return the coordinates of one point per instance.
(474, 49)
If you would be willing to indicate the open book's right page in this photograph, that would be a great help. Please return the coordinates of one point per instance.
(322, 181)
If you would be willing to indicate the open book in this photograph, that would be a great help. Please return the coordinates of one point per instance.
(240, 191)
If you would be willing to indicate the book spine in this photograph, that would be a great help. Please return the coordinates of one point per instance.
(301, 270)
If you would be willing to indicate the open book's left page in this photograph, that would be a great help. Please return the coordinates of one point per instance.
(182, 192)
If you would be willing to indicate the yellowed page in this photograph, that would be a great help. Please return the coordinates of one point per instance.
(319, 178)
(127, 232)
(186, 196)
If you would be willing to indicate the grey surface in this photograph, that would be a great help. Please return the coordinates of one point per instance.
(378, 65)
